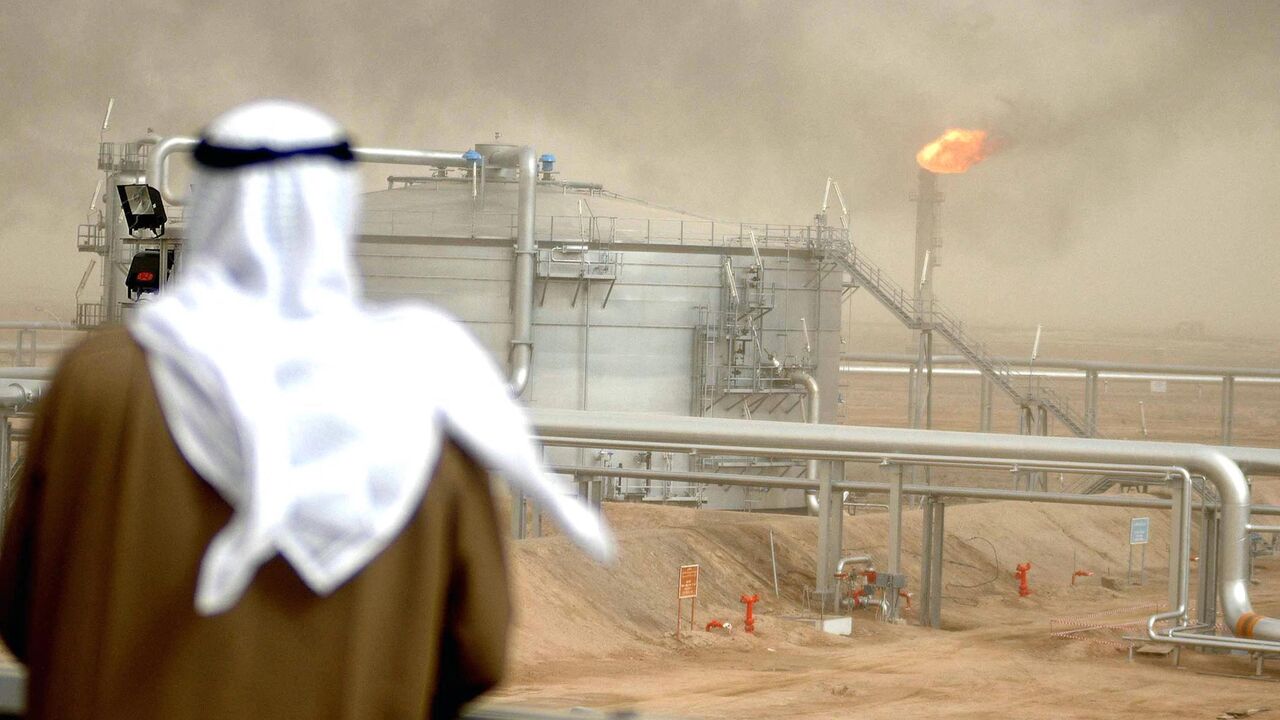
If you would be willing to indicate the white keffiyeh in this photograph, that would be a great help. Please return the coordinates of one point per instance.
(318, 419)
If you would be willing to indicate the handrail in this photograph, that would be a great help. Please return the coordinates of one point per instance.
(894, 297)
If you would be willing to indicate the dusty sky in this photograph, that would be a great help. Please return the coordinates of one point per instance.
(1139, 183)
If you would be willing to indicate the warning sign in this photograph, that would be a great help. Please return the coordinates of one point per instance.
(688, 581)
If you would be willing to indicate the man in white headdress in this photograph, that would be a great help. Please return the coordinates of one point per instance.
(262, 498)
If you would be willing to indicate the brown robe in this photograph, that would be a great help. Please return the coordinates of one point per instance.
(99, 564)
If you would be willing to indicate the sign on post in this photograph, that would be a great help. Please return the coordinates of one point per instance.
(1139, 531)
(1139, 534)
(686, 588)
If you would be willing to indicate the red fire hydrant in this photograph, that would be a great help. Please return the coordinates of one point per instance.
(749, 623)
(1021, 574)
(1080, 573)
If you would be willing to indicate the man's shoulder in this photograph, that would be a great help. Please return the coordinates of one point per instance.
(105, 354)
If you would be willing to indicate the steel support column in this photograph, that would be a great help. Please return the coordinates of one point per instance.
(1228, 407)
(924, 599)
(922, 395)
(1207, 599)
(1091, 401)
(1041, 478)
(825, 570)
(895, 480)
(984, 399)
(934, 580)
(1026, 426)
(835, 527)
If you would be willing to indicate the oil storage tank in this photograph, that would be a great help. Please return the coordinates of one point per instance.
(636, 307)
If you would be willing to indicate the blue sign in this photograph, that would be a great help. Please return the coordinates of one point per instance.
(1139, 531)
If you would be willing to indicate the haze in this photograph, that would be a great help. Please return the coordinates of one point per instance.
(1136, 187)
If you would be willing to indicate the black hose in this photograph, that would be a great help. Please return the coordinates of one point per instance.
(994, 554)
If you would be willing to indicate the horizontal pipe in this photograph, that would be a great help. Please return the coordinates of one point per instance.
(1216, 467)
(1101, 366)
(976, 462)
(429, 158)
(943, 491)
(1268, 529)
(14, 395)
(36, 325)
(158, 172)
(852, 369)
(26, 373)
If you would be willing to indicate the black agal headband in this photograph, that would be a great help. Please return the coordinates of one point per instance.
(227, 158)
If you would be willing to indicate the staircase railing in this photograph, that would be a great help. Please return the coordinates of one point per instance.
(837, 245)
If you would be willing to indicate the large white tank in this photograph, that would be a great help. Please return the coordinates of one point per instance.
(630, 307)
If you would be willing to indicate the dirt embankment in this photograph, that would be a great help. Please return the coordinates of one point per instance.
(603, 637)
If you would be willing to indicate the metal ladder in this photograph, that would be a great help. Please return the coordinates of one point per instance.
(836, 245)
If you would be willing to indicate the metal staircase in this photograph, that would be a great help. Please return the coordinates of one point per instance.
(835, 244)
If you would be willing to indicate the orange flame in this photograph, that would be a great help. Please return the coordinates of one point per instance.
(956, 151)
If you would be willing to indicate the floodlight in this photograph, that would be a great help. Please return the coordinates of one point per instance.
(143, 208)
(144, 273)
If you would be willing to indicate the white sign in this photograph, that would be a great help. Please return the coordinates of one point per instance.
(1139, 531)
(1159, 386)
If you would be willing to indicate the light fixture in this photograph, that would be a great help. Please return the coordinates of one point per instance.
(143, 208)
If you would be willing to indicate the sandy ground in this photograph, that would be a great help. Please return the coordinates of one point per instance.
(604, 638)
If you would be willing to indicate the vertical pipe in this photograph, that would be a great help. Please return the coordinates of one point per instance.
(1228, 407)
(922, 407)
(823, 571)
(110, 291)
(926, 236)
(813, 416)
(521, 353)
(895, 516)
(928, 380)
(1203, 585)
(895, 532)
(922, 280)
(926, 599)
(835, 532)
(1042, 428)
(911, 395)
(1209, 568)
(935, 575)
(1177, 496)
(984, 415)
(1091, 401)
